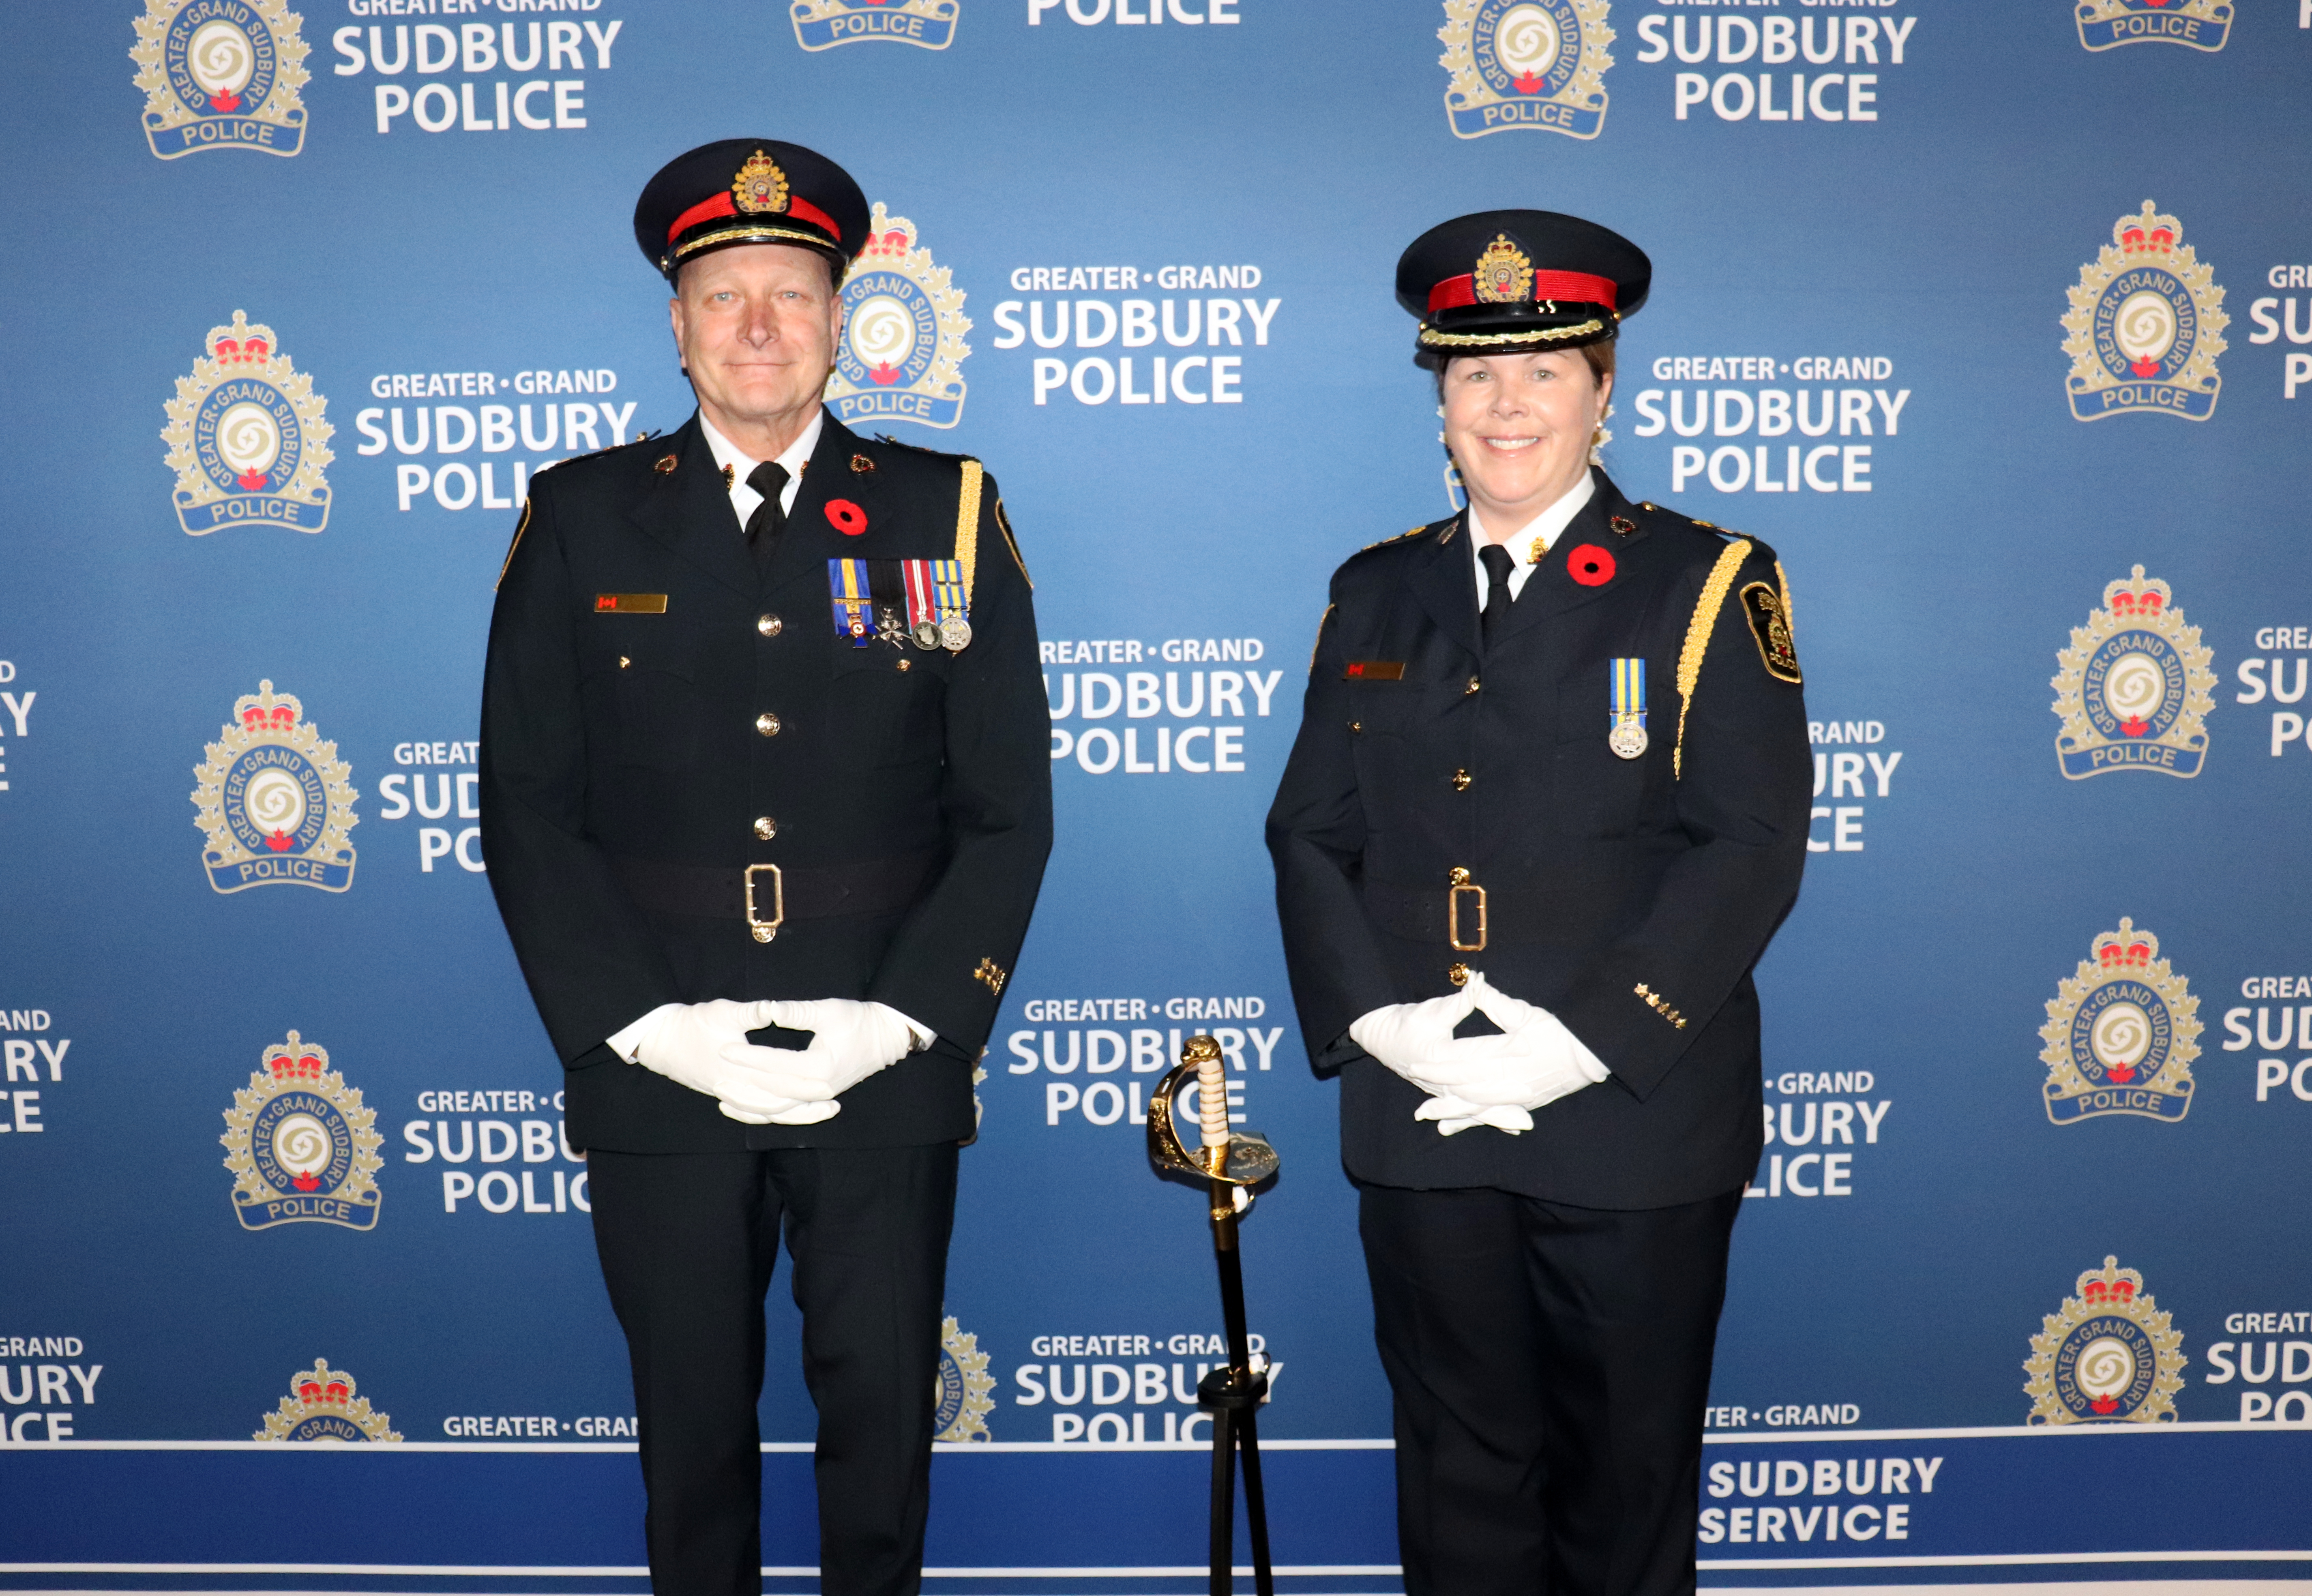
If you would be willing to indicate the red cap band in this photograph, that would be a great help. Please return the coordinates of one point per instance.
(721, 205)
(1579, 286)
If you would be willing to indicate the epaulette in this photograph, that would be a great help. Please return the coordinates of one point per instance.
(967, 513)
(1691, 520)
(1400, 537)
(919, 449)
(607, 449)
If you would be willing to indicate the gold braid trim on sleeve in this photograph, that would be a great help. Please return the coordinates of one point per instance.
(1697, 638)
(966, 524)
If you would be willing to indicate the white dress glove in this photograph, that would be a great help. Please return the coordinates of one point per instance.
(692, 1044)
(849, 1040)
(1406, 1036)
(1499, 1080)
(1416, 1041)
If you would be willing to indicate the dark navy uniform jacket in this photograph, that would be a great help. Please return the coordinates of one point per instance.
(623, 747)
(1623, 895)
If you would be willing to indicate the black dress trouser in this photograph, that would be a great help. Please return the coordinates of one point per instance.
(1550, 1366)
(688, 1242)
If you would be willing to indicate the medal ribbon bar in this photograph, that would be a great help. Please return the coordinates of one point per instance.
(852, 593)
(1629, 692)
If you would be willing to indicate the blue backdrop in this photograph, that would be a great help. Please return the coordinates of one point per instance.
(1990, 317)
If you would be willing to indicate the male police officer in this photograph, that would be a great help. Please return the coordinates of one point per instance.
(1552, 768)
(710, 811)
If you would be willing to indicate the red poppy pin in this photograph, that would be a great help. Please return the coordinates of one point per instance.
(849, 520)
(1590, 565)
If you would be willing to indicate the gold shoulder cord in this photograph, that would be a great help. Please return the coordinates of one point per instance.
(521, 526)
(1697, 638)
(1783, 580)
(966, 524)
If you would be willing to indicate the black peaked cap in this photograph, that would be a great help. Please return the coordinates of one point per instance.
(1502, 282)
(750, 191)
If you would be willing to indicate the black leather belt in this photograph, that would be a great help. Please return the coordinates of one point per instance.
(1509, 913)
(789, 891)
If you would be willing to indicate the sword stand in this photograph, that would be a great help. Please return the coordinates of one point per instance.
(1227, 1166)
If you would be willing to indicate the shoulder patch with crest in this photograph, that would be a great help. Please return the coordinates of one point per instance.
(1770, 628)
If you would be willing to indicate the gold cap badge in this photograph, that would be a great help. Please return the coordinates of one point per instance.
(1503, 275)
(760, 186)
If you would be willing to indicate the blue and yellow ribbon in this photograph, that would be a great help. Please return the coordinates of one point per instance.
(1629, 692)
(947, 583)
(853, 595)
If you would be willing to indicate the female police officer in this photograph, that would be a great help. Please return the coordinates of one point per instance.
(1552, 769)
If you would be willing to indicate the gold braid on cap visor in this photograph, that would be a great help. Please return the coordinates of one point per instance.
(757, 234)
(1555, 335)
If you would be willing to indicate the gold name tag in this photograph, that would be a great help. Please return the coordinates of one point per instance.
(1373, 670)
(630, 603)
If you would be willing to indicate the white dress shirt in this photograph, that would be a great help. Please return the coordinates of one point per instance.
(794, 457)
(1528, 543)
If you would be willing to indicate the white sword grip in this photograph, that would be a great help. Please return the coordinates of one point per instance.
(1212, 1100)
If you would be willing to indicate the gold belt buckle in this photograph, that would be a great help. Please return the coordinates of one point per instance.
(764, 929)
(1462, 884)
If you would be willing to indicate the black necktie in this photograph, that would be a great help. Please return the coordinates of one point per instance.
(1497, 562)
(763, 527)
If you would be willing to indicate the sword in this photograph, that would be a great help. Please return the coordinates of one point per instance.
(1230, 1166)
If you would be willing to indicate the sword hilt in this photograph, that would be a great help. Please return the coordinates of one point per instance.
(1212, 1088)
(1241, 1159)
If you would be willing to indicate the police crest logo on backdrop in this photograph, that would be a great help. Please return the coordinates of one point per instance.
(301, 1147)
(2199, 24)
(902, 354)
(2108, 1354)
(965, 1385)
(2134, 688)
(2121, 1035)
(1538, 64)
(220, 75)
(248, 437)
(2145, 326)
(322, 1405)
(823, 24)
(275, 800)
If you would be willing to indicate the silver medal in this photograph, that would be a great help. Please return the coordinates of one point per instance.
(1628, 738)
(955, 634)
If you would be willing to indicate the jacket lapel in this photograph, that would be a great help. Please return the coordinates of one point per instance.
(1446, 583)
(1552, 589)
(687, 510)
(812, 538)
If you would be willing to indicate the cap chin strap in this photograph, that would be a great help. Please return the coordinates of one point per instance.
(1434, 339)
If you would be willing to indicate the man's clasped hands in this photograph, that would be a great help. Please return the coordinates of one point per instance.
(704, 1046)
